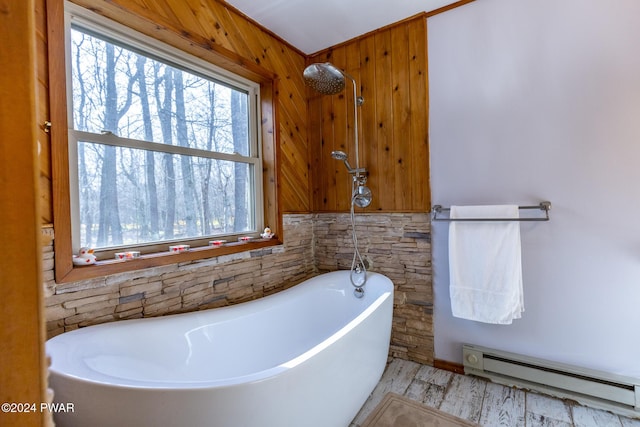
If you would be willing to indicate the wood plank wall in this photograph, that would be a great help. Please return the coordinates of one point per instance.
(214, 23)
(42, 112)
(22, 364)
(390, 66)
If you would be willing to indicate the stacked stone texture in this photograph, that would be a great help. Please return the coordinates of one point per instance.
(176, 288)
(397, 245)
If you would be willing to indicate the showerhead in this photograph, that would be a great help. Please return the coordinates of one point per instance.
(324, 78)
(341, 155)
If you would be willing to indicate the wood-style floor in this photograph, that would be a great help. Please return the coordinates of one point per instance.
(484, 402)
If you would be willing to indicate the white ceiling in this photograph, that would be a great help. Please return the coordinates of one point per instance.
(312, 25)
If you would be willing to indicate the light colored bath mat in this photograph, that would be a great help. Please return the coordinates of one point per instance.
(398, 411)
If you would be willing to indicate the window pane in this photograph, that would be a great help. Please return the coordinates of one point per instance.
(120, 90)
(130, 196)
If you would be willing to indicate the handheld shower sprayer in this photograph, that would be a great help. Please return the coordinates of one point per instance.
(341, 155)
(361, 194)
(359, 173)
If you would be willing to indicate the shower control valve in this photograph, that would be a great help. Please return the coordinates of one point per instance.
(360, 177)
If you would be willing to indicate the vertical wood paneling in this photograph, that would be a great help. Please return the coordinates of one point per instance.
(42, 112)
(352, 67)
(58, 115)
(327, 137)
(343, 139)
(271, 156)
(384, 121)
(390, 66)
(401, 104)
(369, 141)
(419, 111)
(22, 330)
(315, 140)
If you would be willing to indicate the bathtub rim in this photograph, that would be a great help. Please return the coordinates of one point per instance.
(100, 379)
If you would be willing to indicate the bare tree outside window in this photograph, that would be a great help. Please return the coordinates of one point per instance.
(163, 153)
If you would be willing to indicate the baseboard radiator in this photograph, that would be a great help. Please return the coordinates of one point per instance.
(597, 389)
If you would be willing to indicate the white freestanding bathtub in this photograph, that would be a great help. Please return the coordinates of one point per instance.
(307, 356)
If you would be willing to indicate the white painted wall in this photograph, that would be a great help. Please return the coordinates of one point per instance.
(535, 100)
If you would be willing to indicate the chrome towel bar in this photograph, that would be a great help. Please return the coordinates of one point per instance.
(543, 206)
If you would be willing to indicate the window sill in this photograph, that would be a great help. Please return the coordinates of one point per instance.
(106, 268)
(64, 269)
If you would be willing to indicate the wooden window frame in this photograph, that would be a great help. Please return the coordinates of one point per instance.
(200, 47)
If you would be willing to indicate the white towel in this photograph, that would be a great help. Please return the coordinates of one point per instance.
(485, 265)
